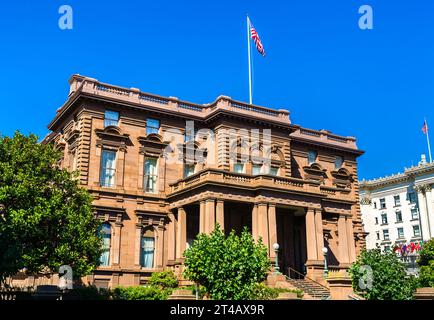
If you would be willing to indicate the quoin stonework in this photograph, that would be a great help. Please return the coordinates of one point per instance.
(249, 166)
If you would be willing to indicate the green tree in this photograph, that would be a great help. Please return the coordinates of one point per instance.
(381, 276)
(426, 264)
(46, 219)
(227, 267)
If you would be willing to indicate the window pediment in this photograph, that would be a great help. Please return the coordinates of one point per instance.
(342, 178)
(315, 172)
(152, 145)
(113, 137)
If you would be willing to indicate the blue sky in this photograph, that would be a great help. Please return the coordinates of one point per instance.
(376, 85)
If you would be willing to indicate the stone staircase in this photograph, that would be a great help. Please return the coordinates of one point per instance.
(312, 289)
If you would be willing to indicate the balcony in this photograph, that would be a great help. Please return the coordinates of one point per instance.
(245, 181)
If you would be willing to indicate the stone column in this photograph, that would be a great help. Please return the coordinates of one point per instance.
(255, 222)
(209, 215)
(171, 239)
(220, 213)
(202, 217)
(343, 240)
(430, 209)
(423, 212)
(319, 234)
(181, 234)
(351, 242)
(312, 251)
(137, 242)
(272, 228)
(263, 224)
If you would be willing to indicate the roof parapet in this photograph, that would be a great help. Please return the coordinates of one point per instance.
(79, 83)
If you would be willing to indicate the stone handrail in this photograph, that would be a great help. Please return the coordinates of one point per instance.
(325, 136)
(92, 86)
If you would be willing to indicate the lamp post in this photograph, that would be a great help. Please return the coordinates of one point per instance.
(326, 270)
(276, 263)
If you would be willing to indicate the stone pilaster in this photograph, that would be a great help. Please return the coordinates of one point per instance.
(220, 213)
(272, 229)
(343, 240)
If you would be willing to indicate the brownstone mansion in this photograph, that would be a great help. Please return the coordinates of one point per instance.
(132, 149)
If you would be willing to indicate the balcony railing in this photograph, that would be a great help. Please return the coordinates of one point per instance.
(241, 180)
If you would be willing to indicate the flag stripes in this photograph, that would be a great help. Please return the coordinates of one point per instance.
(256, 39)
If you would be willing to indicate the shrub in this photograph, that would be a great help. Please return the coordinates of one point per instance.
(88, 293)
(164, 279)
(426, 264)
(262, 292)
(202, 291)
(388, 279)
(139, 293)
(227, 267)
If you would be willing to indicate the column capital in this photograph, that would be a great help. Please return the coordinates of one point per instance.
(422, 188)
(261, 203)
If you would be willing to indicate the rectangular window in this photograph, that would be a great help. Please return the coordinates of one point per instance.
(412, 197)
(386, 248)
(398, 216)
(382, 203)
(338, 162)
(376, 220)
(190, 135)
(386, 234)
(274, 171)
(188, 170)
(378, 235)
(375, 205)
(256, 169)
(384, 218)
(400, 233)
(108, 168)
(414, 214)
(239, 167)
(397, 200)
(152, 126)
(111, 118)
(150, 175)
(416, 231)
(147, 252)
(311, 156)
(105, 233)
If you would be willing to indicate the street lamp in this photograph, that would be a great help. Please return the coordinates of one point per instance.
(326, 270)
(276, 263)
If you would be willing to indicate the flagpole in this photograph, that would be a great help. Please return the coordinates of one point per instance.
(427, 140)
(250, 66)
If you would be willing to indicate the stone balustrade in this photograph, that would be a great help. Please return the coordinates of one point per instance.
(264, 181)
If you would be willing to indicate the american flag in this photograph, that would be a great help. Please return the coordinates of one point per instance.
(425, 127)
(256, 39)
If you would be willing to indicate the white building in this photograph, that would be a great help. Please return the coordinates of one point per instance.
(399, 209)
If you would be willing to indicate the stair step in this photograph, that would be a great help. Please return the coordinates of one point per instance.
(311, 288)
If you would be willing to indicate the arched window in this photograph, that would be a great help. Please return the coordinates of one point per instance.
(147, 248)
(105, 232)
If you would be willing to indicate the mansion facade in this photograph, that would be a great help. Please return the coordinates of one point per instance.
(398, 211)
(250, 167)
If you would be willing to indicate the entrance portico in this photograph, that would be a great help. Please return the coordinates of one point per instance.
(299, 229)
